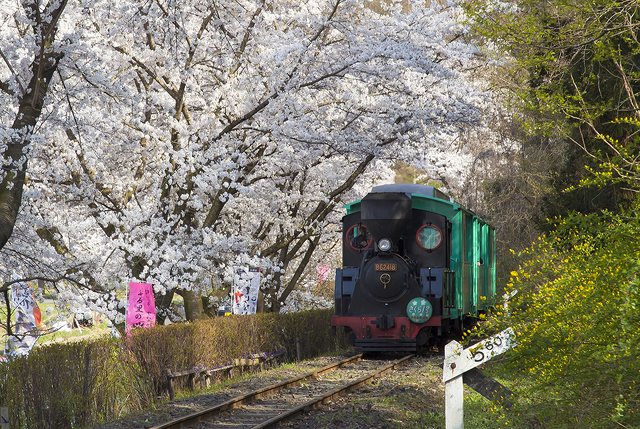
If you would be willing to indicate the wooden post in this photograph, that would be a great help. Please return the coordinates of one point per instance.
(170, 388)
(453, 389)
(457, 361)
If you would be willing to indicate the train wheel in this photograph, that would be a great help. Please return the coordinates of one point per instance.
(423, 337)
(423, 341)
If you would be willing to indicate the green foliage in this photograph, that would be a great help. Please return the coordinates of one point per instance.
(576, 317)
(621, 167)
(479, 412)
(573, 58)
(573, 69)
(74, 385)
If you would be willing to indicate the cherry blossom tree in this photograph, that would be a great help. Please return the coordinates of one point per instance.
(30, 57)
(184, 138)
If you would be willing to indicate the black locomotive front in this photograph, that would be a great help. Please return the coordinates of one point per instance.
(389, 291)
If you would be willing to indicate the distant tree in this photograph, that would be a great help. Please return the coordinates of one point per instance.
(573, 67)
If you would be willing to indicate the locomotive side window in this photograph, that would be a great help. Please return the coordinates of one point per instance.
(358, 237)
(429, 237)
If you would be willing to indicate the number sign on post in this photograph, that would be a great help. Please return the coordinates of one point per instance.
(457, 361)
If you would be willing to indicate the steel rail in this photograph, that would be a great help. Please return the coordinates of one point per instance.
(239, 400)
(314, 403)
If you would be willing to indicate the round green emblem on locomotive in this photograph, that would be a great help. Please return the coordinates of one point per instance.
(419, 310)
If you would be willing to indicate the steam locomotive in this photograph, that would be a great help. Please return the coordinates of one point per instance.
(415, 266)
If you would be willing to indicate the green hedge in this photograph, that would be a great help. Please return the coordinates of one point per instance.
(75, 385)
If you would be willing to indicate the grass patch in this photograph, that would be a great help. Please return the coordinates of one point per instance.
(479, 412)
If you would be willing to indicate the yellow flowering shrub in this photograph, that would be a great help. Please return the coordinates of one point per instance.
(577, 321)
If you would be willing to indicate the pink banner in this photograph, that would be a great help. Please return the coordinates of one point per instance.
(141, 312)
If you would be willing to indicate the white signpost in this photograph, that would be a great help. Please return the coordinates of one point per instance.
(246, 285)
(457, 361)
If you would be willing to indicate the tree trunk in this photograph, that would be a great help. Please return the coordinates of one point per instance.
(43, 66)
(302, 265)
(163, 302)
(193, 307)
(260, 308)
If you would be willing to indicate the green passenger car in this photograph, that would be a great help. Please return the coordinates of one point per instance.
(408, 249)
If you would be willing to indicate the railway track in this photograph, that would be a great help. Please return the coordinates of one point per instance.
(266, 407)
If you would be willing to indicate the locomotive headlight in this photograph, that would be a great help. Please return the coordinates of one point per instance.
(384, 244)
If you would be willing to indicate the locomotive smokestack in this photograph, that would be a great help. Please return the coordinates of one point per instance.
(385, 214)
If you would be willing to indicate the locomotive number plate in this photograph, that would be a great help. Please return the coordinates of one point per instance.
(386, 267)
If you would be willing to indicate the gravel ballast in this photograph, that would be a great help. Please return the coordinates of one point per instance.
(410, 396)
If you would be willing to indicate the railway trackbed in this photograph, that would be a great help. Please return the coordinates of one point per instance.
(266, 407)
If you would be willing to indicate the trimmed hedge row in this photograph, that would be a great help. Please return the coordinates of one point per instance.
(215, 342)
(78, 384)
(73, 384)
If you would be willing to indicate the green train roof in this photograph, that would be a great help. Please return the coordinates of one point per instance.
(423, 197)
(411, 189)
